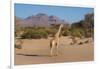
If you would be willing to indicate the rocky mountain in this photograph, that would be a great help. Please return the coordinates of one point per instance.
(40, 20)
(37, 20)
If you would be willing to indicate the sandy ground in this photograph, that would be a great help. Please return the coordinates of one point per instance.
(37, 51)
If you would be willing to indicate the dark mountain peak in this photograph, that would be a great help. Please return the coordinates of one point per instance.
(53, 17)
(30, 17)
(41, 14)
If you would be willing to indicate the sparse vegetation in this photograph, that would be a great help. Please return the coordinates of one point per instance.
(34, 34)
(83, 28)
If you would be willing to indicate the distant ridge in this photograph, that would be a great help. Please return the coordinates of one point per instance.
(40, 19)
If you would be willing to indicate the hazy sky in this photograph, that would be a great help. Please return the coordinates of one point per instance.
(69, 14)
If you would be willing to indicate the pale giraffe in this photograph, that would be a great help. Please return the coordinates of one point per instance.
(54, 42)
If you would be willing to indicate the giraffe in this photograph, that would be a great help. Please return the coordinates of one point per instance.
(54, 42)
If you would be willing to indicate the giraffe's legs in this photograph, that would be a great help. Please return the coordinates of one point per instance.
(51, 52)
(57, 45)
(54, 48)
(57, 49)
(51, 49)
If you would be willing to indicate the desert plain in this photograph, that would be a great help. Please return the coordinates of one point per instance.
(37, 51)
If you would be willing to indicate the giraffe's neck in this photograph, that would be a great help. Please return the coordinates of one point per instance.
(58, 33)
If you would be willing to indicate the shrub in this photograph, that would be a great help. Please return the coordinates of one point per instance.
(35, 34)
(51, 31)
(43, 33)
(77, 32)
(18, 46)
(66, 33)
